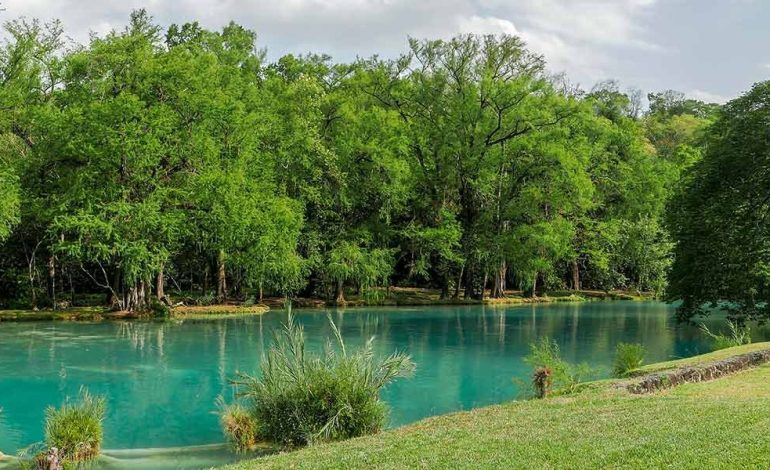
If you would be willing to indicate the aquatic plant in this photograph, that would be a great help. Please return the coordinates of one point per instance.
(301, 398)
(628, 357)
(737, 335)
(73, 432)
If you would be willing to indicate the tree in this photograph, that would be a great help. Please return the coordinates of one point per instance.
(719, 218)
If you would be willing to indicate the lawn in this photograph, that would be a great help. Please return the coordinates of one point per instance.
(719, 424)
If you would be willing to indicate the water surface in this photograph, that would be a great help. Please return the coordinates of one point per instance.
(162, 380)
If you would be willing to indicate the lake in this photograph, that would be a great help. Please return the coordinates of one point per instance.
(162, 379)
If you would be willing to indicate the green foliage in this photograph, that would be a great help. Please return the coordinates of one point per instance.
(564, 376)
(364, 268)
(183, 157)
(238, 426)
(9, 202)
(737, 335)
(718, 219)
(628, 357)
(75, 428)
(301, 398)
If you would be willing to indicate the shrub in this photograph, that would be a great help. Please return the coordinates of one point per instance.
(738, 335)
(628, 357)
(565, 377)
(206, 300)
(75, 429)
(159, 309)
(239, 427)
(301, 399)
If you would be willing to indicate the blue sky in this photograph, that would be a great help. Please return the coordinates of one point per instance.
(709, 49)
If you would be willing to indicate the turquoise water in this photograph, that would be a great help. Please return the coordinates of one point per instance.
(162, 380)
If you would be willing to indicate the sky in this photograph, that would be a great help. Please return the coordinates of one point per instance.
(711, 50)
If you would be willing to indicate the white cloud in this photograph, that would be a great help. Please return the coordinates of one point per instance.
(580, 37)
(486, 25)
(708, 97)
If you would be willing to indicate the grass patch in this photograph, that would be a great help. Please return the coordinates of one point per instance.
(628, 357)
(301, 398)
(717, 424)
(73, 432)
(704, 358)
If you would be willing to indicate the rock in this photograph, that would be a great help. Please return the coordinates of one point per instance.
(661, 380)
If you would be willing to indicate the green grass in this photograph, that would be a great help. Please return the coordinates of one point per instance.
(704, 358)
(717, 424)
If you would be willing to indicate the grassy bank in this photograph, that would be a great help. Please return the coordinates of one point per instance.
(101, 313)
(717, 424)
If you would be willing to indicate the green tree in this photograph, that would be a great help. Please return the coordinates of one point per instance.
(719, 218)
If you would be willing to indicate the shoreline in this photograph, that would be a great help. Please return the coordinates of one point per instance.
(398, 297)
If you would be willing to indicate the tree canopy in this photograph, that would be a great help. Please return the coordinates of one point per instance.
(154, 160)
(719, 218)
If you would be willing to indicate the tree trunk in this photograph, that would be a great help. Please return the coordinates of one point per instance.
(221, 278)
(473, 283)
(159, 287)
(52, 280)
(498, 290)
(260, 291)
(534, 286)
(340, 298)
(575, 276)
(444, 288)
(459, 283)
(112, 298)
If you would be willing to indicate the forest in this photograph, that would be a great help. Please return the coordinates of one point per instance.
(153, 162)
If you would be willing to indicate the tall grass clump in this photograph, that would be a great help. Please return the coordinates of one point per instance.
(301, 398)
(628, 357)
(737, 335)
(551, 372)
(74, 431)
(239, 426)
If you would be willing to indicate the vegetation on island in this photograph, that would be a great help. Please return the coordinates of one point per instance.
(154, 163)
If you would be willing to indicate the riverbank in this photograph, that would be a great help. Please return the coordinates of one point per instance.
(101, 313)
(394, 297)
(720, 423)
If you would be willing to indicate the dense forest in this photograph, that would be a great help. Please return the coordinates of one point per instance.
(154, 161)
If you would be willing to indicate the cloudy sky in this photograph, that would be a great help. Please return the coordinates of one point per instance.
(709, 49)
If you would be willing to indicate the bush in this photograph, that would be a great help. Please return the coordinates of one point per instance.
(206, 300)
(239, 427)
(159, 309)
(738, 335)
(564, 377)
(75, 429)
(302, 399)
(628, 357)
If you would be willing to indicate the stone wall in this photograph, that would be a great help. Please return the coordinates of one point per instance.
(667, 379)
